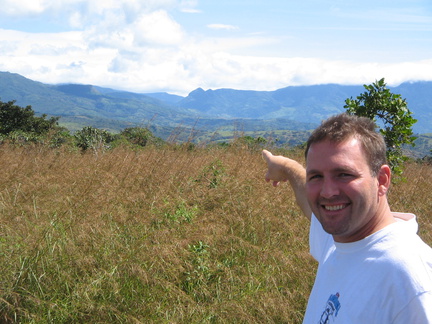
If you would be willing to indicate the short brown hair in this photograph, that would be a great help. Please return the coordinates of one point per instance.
(341, 127)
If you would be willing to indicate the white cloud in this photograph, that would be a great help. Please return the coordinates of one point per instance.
(23, 7)
(89, 12)
(157, 28)
(138, 46)
(180, 64)
(189, 6)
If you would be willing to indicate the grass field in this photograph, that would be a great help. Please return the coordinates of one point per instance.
(160, 235)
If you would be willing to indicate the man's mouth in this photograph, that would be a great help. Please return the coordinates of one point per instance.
(334, 207)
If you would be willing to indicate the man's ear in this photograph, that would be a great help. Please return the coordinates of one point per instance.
(384, 180)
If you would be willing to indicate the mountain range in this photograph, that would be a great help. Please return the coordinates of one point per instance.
(221, 111)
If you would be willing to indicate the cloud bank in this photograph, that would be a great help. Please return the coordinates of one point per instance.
(139, 46)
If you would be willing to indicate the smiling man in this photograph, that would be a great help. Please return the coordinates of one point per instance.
(348, 194)
(373, 267)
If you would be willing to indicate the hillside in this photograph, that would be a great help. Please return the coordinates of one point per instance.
(88, 105)
(284, 115)
(307, 104)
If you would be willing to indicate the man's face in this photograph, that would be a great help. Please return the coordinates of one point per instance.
(341, 191)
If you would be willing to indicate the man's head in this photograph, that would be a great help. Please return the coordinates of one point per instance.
(347, 178)
(342, 127)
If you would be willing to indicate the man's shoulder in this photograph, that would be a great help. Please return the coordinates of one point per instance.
(406, 255)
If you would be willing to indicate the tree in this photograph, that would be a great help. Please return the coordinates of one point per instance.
(93, 138)
(395, 120)
(140, 136)
(14, 118)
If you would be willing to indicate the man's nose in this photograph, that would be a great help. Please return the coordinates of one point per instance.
(329, 189)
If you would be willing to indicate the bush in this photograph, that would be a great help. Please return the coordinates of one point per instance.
(140, 136)
(93, 138)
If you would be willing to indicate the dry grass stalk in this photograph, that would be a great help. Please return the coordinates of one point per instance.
(159, 235)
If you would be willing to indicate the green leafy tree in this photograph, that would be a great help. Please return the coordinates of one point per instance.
(14, 118)
(93, 138)
(140, 136)
(392, 116)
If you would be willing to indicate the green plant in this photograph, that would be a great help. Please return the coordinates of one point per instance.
(58, 137)
(182, 213)
(93, 138)
(140, 136)
(394, 119)
(200, 273)
(212, 174)
(14, 118)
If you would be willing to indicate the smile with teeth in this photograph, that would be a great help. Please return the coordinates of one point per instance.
(334, 207)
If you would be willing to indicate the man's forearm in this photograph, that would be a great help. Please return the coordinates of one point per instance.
(296, 175)
(281, 168)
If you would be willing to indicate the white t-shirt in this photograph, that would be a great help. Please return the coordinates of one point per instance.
(384, 278)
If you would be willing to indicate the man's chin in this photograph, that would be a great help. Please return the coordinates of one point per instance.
(333, 227)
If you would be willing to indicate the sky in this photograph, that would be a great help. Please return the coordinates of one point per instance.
(177, 46)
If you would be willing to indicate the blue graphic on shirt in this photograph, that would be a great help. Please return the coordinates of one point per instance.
(331, 309)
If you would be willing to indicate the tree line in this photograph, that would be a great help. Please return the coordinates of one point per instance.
(20, 125)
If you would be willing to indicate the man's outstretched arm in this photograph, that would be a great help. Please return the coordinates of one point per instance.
(280, 169)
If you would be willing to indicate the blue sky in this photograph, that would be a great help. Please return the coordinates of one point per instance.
(179, 45)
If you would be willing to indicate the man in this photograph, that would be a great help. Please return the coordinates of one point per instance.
(373, 267)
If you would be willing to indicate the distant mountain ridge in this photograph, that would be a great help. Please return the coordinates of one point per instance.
(79, 105)
(289, 108)
(299, 103)
(307, 104)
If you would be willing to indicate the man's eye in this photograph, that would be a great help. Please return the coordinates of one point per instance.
(314, 177)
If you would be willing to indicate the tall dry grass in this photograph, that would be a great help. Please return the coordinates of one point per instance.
(162, 235)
